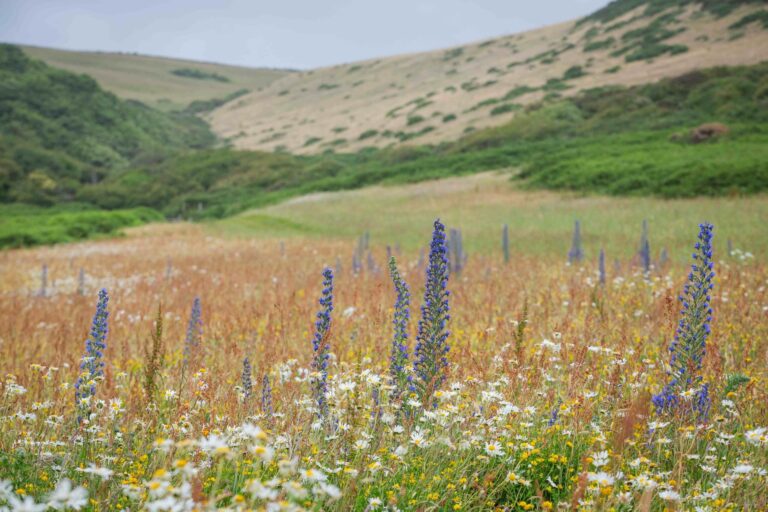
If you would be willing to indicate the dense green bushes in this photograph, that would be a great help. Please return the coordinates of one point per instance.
(199, 74)
(59, 130)
(649, 164)
(618, 8)
(200, 106)
(22, 225)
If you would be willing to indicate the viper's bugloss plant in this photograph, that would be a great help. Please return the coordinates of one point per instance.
(663, 257)
(401, 316)
(431, 361)
(689, 345)
(645, 248)
(601, 266)
(92, 363)
(246, 379)
(81, 282)
(43, 280)
(457, 258)
(266, 396)
(357, 267)
(153, 355)
(576, 253)
(645, 257)
(554, 414)
(321, 346)
(194, 331)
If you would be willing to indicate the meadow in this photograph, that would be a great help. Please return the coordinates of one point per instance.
(212, 378)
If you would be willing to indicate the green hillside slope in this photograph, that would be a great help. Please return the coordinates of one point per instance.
(59, 131)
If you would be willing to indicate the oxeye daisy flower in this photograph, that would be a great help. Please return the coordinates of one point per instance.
(494, 449)
(669, 495)
(92, 469)
(757, 436)
(742, 469)
(601, 478)
(65, 496)
(313, 475)
(600, 459)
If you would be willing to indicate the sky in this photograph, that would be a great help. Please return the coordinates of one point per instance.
(300, 34)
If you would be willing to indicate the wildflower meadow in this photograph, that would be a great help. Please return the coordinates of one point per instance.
(185, 371)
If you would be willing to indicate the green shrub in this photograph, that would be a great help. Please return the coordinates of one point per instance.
(518, 91)
(24, 226)
(200, 106)
(651, 51)
(367, 134)
(415, 119)
(555, 84)
(62, 131)
(647, 164)
(454, 53)
(619, 8)
(506, 107)
(593, 46)
(199, 74)
(574, 72)
(754, 17)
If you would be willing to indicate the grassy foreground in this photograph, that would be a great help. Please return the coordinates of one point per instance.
(546, 405)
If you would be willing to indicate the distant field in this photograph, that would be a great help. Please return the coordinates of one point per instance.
(149, 79)
(540, 222)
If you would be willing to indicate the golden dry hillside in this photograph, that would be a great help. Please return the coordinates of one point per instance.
(439, 95)
(151, 79)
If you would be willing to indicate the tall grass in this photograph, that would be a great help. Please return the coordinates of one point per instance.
(531, 340)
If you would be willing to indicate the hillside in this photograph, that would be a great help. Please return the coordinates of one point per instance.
(437, 96)
(640, 140)
(59, 131)
(152, 80)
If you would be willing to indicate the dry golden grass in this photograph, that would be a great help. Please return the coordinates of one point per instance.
(342, 102)
(259, 298)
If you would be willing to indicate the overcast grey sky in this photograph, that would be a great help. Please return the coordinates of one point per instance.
(278, 33)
